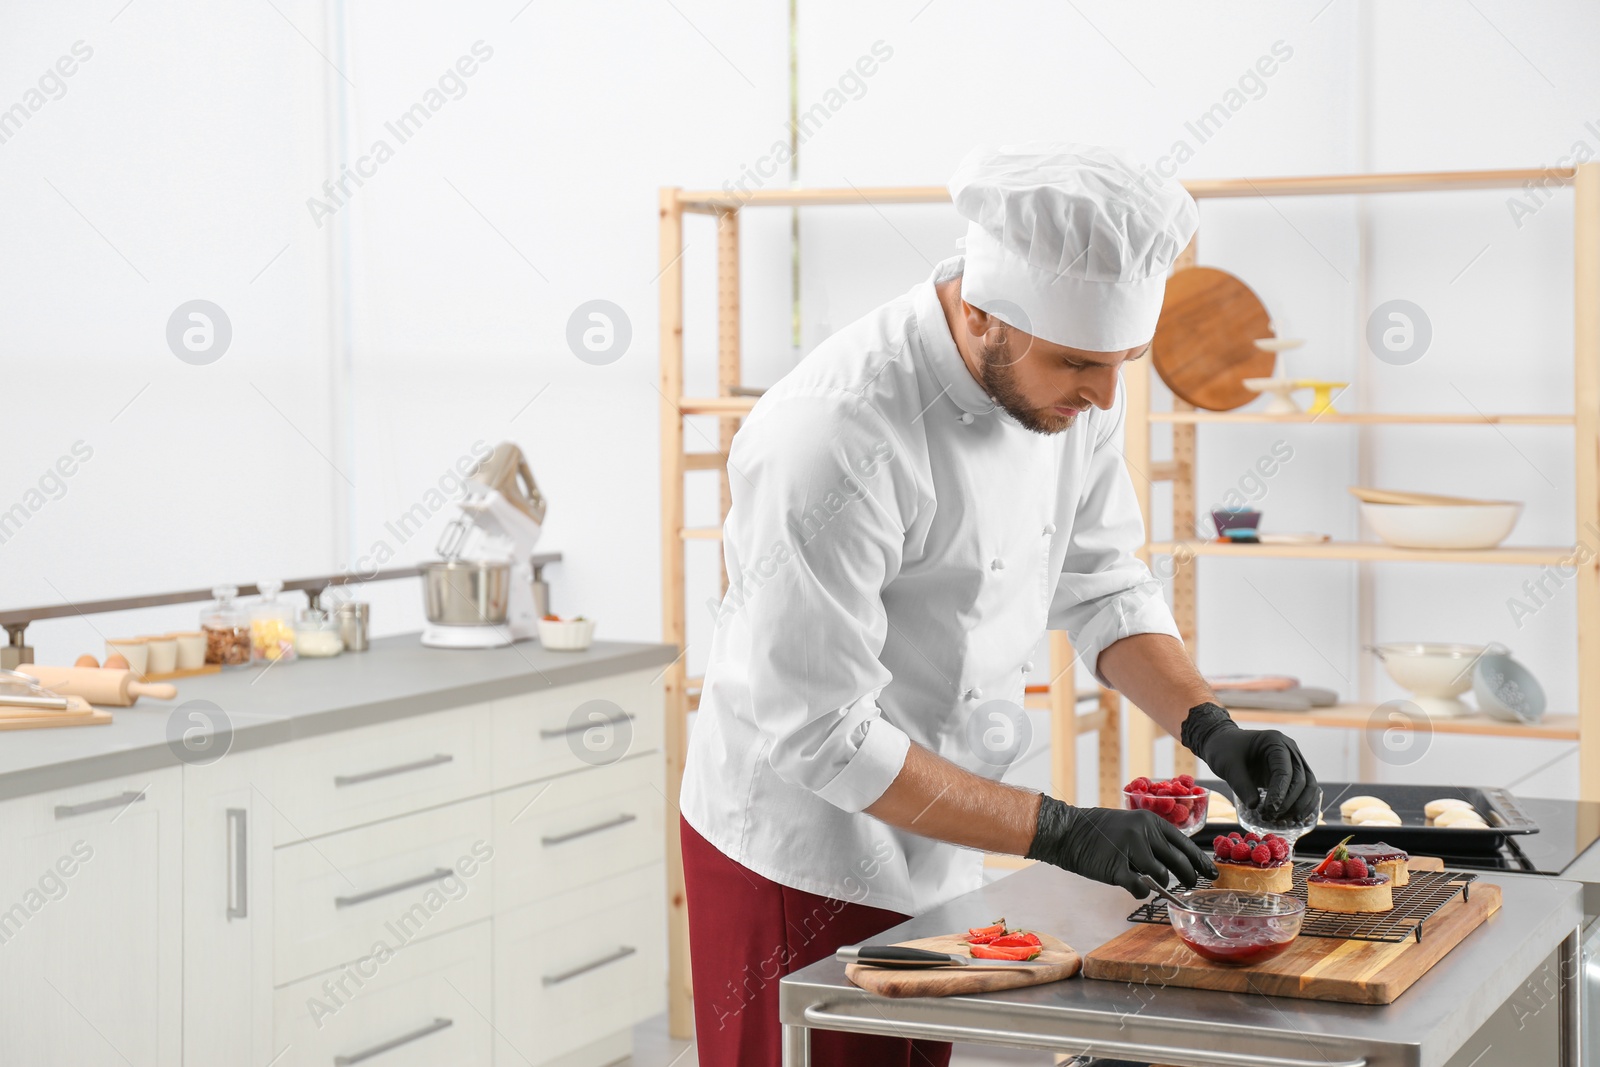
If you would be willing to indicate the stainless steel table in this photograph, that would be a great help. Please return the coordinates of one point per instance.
(1201, 1028)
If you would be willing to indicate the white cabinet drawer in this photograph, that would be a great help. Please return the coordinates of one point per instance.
(359, 776)
(423, 1007)
(574, 727)
(341, 896)
(575, 968)
(580, 828)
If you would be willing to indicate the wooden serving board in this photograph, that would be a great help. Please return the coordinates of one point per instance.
(1057, 961)
(1204, 344)
(15, 718)
(1313, 968)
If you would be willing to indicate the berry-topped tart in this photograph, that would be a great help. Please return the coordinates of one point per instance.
(1384, 859)
(1253, 864)
(1343, 882)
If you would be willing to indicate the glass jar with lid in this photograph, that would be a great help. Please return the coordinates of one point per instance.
(271, 625)
(227, 628)
(316, 634)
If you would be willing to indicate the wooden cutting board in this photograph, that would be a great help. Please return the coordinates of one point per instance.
(1204, 345)
(79, 713)
(1313, 968)
(1057, 961)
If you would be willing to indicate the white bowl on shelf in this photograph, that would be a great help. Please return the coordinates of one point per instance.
(1435, 674)
(566, 635)
(1446, 526)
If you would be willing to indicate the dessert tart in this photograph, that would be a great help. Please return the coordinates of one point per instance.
(1383, 858)
(1344, 883)
(1253, 864)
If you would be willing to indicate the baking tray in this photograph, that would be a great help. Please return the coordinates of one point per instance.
(1414, 903)
(1497, 806)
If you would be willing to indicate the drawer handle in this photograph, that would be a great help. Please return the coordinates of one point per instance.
(578, 728)
(121, 800)
(239, 869)
(435, 875)
(572, 835)
(394, 1043)
(556, 979)
(342, 780)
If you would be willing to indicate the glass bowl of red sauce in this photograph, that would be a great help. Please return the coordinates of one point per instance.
(1227, 926)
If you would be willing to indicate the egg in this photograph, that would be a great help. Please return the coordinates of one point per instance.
(86, 660)
(117, 661)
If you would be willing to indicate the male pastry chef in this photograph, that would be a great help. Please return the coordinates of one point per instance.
(913, 506)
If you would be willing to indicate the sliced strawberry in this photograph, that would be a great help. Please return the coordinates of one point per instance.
(1020, 939)
(995, 929)
(995, 952)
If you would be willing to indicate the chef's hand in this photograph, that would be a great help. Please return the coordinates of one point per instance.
(1115, 846)
(1252, 760)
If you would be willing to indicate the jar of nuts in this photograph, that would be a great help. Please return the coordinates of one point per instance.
(227, 629)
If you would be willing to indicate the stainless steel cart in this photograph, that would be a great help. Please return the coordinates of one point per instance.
(1485, 992)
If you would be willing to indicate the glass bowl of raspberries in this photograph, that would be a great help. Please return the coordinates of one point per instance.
(1177, 800)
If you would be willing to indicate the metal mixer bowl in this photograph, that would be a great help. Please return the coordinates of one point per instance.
(466, 592)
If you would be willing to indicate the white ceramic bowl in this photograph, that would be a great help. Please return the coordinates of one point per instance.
(1442, 525)
(1430, 670)
(567, 635)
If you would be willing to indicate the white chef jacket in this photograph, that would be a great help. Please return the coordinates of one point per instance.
(896, 547)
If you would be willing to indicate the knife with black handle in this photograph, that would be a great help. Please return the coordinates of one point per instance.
(898, 956)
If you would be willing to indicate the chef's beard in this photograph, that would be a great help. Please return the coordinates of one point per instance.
(1000, 382)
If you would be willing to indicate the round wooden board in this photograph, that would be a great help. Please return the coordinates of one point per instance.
(1058, 960)
(1204, 346)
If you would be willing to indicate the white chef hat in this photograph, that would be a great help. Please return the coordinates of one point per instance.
(1071, 243)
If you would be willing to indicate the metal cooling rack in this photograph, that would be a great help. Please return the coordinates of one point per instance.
(1414, 903)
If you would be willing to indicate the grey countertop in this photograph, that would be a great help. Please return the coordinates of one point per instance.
(396, 678)
(1144, 1020)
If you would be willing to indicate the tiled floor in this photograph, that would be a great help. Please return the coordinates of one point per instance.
(653, 1048)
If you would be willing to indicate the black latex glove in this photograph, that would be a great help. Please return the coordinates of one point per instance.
(1252, 760)
(1115, 846)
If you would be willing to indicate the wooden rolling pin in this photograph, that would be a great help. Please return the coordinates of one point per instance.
(98, 685)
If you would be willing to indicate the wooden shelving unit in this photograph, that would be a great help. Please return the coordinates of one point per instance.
(1106, 719)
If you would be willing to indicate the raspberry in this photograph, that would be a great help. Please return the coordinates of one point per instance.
(1241, 851)
(1235, 836)
(1180, 813)
(1222, 843)
(1333, 869)
(1162, 805)
(1140, 784)
(1261, 855)
(1253, 838)
(1186, 780)
(1197, 791)
(1355, 867)
(1278, 847)
(1161, 789)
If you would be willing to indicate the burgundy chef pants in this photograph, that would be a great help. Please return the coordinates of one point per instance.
(746, 932)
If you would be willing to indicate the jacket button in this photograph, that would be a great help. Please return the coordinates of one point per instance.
(1027, 668)
(1049, 529)
(997, 564)
(965, 418)
(974, 694)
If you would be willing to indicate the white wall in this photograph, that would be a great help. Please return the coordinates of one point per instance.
(430, 310)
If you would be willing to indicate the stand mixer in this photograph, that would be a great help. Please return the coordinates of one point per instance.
(494, 600)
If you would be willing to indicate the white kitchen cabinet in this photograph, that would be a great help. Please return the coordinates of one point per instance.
(576, 727)
(427, 1005)
(570, 831)
(339, 896)
(575, 971)
(227, 912)
(91, 924)
(354, 777)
